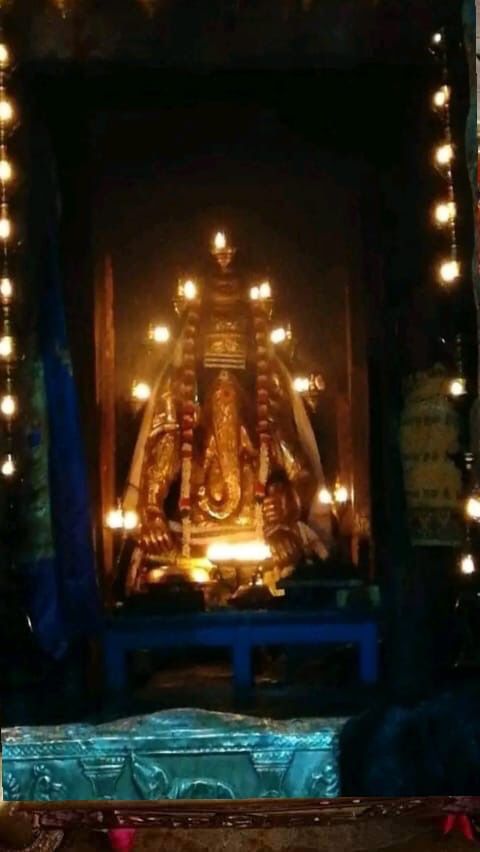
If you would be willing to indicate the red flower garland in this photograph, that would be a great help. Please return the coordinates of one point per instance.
(262, 404)
(188, 412)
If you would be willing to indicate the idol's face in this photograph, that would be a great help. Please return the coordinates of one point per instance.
(226, 292)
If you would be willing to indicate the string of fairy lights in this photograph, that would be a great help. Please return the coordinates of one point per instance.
(8, 398)
(449, 270)
(445, 210)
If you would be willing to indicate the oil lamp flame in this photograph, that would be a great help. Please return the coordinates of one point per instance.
(341, 494)
(141, 391)
(220, 241)
(325, 497)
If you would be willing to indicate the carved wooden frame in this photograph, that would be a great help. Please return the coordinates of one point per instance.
(244, 814)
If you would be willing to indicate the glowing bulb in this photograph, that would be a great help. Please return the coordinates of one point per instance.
(444, 154)
(8, 405)
(6, 289)
(141, 391)
(189, 290)
(265, 290)
(8, 466)
(5, 227)
(220, 241)
(160, 333)
(437, 38)
(130, 519)
(325, 497)
(441, 97)
(472, 508)
(445, 212)
(248, 551)
(457, 387)
(4, 55)
(341, 494)
(6, 111)
(254, 294)
(199, 575)
(301, 384)
(449, 271)
(6, 171)
(467, 564)
(278, 335)
(6, 346)
(114, 519)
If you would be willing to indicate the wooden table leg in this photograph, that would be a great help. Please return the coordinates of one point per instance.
(242, 665)
(369, 653)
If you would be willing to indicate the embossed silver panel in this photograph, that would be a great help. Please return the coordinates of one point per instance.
(175, 754)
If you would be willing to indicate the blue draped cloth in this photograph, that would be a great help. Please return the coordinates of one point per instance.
(57, 555)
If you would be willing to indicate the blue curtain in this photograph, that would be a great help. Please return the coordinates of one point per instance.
(56, 555)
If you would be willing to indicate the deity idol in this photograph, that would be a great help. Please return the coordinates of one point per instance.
(226, 468)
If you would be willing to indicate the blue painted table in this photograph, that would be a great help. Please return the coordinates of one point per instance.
(241, 632)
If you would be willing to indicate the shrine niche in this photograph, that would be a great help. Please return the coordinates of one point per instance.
(232, 432)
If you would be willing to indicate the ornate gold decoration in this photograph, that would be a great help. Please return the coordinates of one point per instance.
(225, 459)
(222, 491)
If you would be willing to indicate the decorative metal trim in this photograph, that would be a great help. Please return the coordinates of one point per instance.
(254, 813)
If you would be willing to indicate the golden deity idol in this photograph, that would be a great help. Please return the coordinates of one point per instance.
(226, 468)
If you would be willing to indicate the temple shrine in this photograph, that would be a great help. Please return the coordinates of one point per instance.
(239, 417)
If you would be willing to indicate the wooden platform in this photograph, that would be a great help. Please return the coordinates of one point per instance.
(241, 632)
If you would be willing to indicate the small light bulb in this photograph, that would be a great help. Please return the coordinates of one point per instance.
(472, 508)
(8, 466)
(220, 241)
(457, 387)
(441, 97)
(5, 227)
(189, 290)
(4, 55)
(449, 271)
(445, 212)
(8, 405)
(6, 289)
(325, 497)
(130, 519)
(6, 111)
(6, 346)
(341, 494)
(6, 172)
(254, 294)
(160, 334)
(437, 38)
(114, 519)
(444, 154)
(467, 564)
(141, 391)
(265, 290)
(278, 335)
(301, 384)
